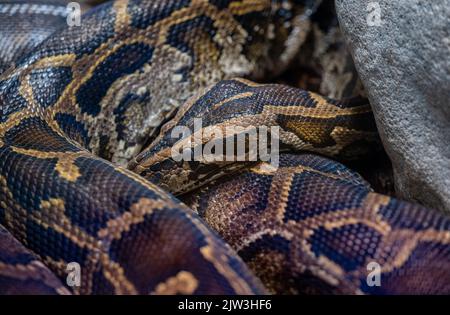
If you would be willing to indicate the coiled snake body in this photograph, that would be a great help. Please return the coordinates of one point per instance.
(90, 99)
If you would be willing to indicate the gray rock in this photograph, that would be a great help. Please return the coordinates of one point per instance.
(404, 64)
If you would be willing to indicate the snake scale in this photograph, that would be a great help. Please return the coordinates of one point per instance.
(86, 175)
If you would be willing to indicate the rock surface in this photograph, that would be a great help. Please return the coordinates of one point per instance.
(401, 51)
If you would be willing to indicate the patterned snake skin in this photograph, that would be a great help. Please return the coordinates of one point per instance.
(313, 226)
(24, 25)
(90, 100)
(22, 273)
(307, 121)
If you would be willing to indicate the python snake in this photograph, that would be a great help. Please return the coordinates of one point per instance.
(90, 100)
